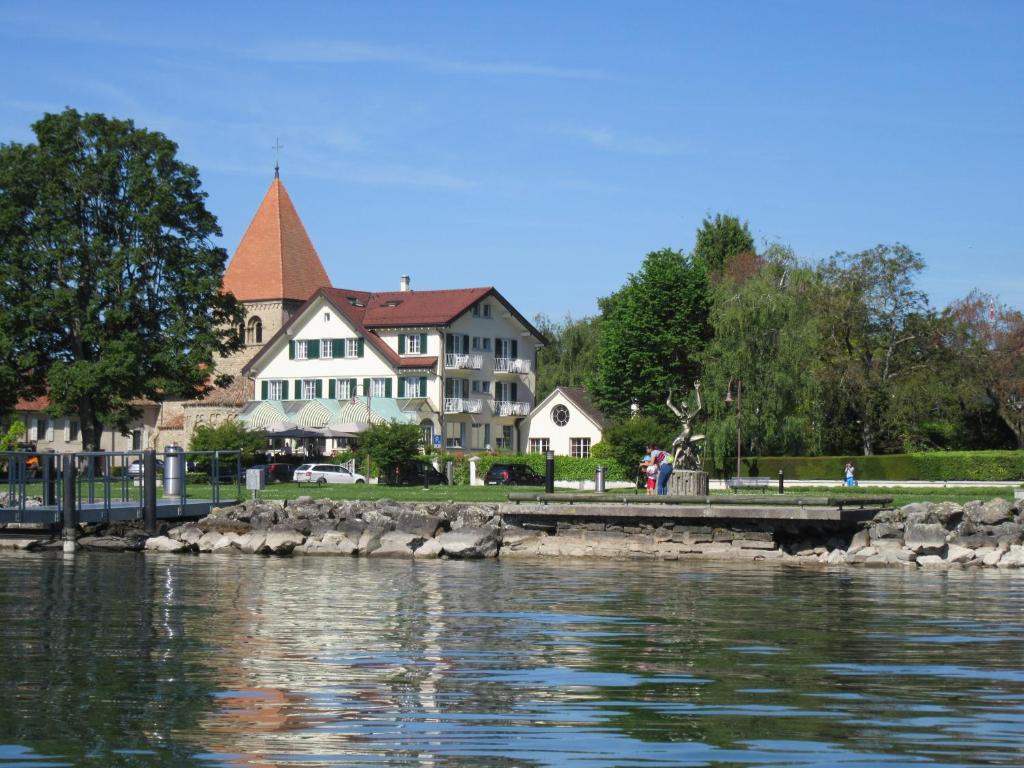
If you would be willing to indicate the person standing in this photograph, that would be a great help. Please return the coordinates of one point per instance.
(850, 480)
(663, 461)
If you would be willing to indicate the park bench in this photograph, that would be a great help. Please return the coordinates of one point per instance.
(743, 483)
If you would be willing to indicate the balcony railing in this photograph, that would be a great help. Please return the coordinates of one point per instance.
(468, 362)
(462, 405)
(511, 365)
(511, 408)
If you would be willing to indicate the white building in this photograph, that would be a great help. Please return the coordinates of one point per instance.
(460, 363)
(565, 422)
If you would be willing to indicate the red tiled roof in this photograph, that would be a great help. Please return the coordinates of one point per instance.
(40, 403)
(238, 392)
(276, 259)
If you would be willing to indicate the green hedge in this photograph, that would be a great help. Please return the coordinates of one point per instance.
(935, 465)
(566, 467)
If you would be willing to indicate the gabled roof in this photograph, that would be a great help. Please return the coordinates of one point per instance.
(579, 398)
(276, 259)
(367, 312)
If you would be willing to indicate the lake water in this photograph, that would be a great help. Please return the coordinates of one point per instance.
(131, 660)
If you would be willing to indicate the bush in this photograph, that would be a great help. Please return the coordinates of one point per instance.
(931, 465)
(566, 467)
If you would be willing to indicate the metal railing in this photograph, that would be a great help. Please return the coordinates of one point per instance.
(469, 362)
(511, 408)
(462, 405)
(511, 365)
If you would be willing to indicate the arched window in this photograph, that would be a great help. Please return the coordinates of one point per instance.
(254, 333)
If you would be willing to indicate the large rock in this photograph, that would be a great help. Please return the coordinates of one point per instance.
(958, 554)
(860, 540)
(283, 542)
(992, 512)
(932, 561)
(398, 544)
(422, 525)
(885, 531)
(112, 543)
(189, 533)
(166, 544)
(1012, 559)
(253, 543)
(208, 540)
(229, 542)
(428, 549)
(470, 543)
(1008, 533)
(223, 525)
(331, 543)
(925, 536)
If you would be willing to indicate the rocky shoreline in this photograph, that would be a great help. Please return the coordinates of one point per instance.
(923, 535)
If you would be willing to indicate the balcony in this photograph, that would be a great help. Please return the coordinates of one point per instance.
(462, 405)
(511, 408)
(511, 365)
(465, 362)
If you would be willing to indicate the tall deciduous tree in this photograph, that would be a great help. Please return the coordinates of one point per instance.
(873, 323)
(987, 337)
(719, 239)
(568, 358)
(651, 333)
(765, 340)
(109, 282)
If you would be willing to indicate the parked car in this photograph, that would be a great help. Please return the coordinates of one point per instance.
(411, 473)
(512, 474)
(136, 468)
(322, 474)
(278, 472)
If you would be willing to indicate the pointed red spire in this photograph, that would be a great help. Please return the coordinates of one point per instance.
(276, 259)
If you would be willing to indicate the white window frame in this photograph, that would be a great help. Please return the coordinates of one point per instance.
(301, 350)
(487, 343)
(505, 441)
(476, 343)
(485, 387)
(579, 447)
(412, 384)
(341, 389)
(352, 348)
(377, 387)
(412, 344)
(326, 348)
(308, 389)
(540, 444)
(487, 310)
(275, 389)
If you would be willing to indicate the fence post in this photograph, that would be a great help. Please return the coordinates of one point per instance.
(149, 490)
(549, 472)
(782, 482)
(70, 502)
(49, 466)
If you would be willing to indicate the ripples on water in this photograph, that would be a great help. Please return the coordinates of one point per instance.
(219, 661)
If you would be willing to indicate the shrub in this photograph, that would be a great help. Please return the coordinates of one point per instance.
(931, 465)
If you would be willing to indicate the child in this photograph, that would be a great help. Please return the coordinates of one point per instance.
(650, 469)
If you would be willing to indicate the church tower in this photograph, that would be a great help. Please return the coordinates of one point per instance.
(273, 272)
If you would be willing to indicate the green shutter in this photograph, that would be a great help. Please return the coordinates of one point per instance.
(513, 391)
(423, 386)
(263, 390)
(366, 387)
(515, 348)
(401, 387)
(338, 347)
(497, 344)
(449, 343)
(423, 343)
(360, 345)
(298, 389)
(387, 387)
(401, 343)
(319, 388)
(351, 387)
(313, 349)
(465, 344)
(284, 389)
(332, 390)
(291, 350)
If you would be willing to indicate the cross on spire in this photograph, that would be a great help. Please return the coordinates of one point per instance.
(278, 146)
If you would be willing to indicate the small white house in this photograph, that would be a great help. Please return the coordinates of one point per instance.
(565, 422)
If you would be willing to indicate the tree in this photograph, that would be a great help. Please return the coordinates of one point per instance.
(651, 333)
(389, 444)
(626, 441)
(873, 324)
(766, 336)
(719, 239)
(987, 338)
(110, 284)
(568, 359)
(230, 436)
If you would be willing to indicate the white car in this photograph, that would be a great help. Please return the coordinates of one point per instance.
(321, 474)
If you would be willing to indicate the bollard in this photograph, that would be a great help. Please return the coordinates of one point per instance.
(449, 471)
(149, 490)
(70, 508)
(549, 472)
(781, 482)
(599, 479)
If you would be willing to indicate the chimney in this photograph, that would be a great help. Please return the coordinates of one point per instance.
(403, 285)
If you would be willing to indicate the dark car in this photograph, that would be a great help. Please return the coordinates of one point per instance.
(512, 474)
(279, 472)
(411, 473)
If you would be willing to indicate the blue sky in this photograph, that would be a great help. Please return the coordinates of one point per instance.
(545, 148)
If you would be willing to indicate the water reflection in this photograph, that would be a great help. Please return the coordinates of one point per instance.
(226, 660)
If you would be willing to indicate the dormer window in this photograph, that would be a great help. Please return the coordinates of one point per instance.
(487, 310)
(392, 303)
(476, 310)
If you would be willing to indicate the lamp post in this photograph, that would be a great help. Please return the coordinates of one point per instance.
(739, 414)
